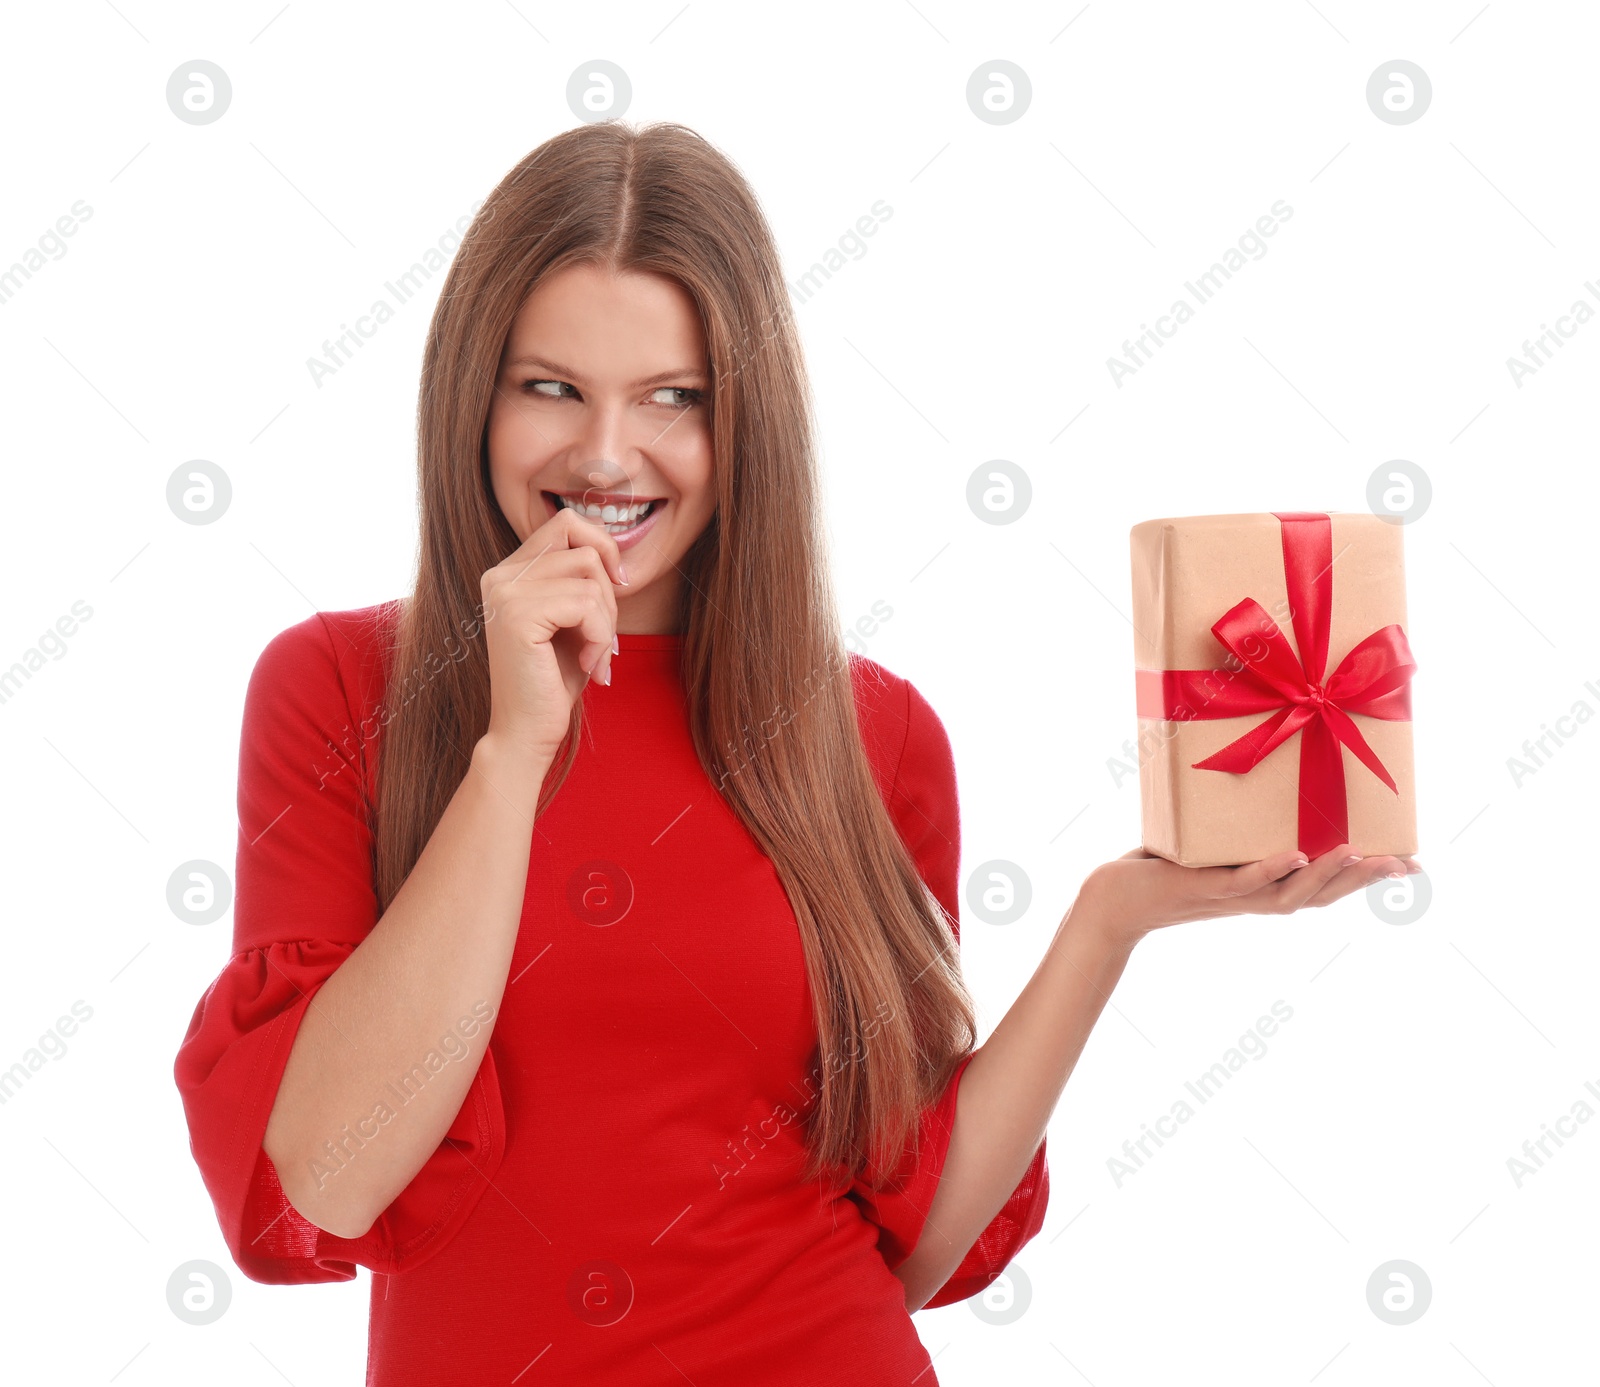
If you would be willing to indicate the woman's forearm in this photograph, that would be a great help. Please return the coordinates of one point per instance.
(1009, 1090)
(438, 956)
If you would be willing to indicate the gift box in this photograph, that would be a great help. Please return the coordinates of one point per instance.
(1273, 686)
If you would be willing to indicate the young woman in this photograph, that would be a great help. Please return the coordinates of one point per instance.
(595, 976)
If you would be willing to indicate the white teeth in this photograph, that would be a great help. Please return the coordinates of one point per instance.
(615, 519)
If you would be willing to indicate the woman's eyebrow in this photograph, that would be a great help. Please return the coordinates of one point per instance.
(567, 373)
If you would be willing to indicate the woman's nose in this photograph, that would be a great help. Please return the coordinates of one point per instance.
(603, 432)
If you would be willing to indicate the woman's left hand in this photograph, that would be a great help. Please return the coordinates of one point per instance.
(1139, 892)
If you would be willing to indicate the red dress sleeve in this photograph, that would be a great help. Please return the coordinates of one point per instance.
(923, 804)
(304, 899)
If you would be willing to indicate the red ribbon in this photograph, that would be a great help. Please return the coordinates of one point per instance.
(1373, 679)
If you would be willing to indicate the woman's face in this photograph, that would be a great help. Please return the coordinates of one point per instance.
(603, 398)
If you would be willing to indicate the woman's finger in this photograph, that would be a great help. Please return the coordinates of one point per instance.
(1230, 883)
(1358, 877)
(1295, 890)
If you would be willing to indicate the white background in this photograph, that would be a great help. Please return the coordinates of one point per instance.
(976, 326)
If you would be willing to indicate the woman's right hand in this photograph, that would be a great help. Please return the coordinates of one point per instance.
(550, 611)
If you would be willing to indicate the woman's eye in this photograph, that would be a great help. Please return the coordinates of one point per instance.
(556, 390)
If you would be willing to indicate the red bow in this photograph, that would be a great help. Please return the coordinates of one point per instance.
(1374, 679)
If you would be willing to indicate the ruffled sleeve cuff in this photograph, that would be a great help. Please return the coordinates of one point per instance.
(900, 1207)
(228, 1070)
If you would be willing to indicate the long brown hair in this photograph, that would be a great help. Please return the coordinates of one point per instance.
(765, 673)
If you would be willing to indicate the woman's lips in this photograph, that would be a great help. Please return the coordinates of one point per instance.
(628, 538)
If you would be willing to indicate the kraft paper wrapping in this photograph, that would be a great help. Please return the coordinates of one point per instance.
(1189, 571)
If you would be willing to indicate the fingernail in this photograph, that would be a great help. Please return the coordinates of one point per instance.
(1352, 859)
(607, 679)
(1298, 863)
(616, 648)
(1396, 876)
(622, 573)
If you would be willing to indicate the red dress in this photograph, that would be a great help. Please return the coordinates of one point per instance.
(618, 1200)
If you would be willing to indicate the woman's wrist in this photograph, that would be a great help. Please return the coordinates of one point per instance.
(518, 772)
(1104, 916)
